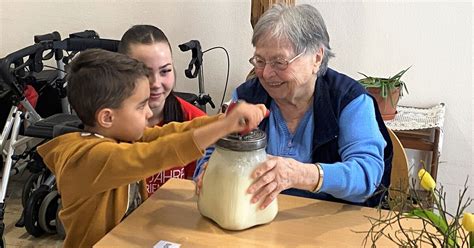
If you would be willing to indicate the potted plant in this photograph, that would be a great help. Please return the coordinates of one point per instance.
(386, 91)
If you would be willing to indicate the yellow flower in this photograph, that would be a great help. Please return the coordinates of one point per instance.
(468, 222)
(427, 182)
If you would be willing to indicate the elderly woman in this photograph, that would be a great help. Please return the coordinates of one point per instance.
(325, 134)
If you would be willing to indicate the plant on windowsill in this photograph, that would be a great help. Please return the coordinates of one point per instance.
(439, 228)
(386, 91)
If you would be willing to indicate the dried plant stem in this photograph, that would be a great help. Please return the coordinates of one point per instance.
(438, 230)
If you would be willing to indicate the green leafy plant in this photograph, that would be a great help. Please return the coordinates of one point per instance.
(439, 228)
(386, 85)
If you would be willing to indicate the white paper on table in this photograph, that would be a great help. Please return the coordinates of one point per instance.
(166, 244)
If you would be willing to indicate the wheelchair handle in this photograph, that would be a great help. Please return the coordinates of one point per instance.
(196, 60)
(35, 58)
(90, 34)
(54, 36)
(80, 44)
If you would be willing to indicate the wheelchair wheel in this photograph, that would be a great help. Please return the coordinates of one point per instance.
(47, 212)
(32, 183)
(32, 211)
(59, 225)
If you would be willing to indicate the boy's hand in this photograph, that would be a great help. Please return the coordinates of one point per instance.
(243, 117)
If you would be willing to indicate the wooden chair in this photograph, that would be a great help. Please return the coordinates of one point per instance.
(399, 179)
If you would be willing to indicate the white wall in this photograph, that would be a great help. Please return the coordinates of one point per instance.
(377, 38)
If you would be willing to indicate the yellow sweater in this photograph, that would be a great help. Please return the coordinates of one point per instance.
(93, 174)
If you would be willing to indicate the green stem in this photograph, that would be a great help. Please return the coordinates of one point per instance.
(471, 239)
(447, 235)
(438, 204)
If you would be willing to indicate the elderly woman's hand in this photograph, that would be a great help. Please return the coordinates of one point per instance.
(277, 174)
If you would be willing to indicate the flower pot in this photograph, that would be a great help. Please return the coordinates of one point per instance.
(387, 109)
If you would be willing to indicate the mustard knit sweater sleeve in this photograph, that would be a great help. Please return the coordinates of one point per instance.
(174, 127)
(100, 164)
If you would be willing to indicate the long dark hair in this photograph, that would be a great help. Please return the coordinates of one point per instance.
(148, 34)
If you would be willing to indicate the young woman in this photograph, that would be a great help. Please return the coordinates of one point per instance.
(150, 45)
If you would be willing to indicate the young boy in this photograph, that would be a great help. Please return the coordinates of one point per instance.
(96, 170)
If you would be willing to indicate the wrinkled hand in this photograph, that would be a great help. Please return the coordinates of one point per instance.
(200, 177)
(273, 176)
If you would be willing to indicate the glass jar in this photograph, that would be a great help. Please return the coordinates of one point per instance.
(223, 196)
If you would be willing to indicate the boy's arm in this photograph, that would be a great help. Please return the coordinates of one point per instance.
(175, 127)
(110, 165)
(243, 117)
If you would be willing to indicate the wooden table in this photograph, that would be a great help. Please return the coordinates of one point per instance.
(171, 214)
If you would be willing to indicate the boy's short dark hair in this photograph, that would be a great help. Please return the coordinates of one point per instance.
(100, 79)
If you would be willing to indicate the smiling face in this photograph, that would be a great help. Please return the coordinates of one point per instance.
(129, 121)
(157, 57)
(293, 83)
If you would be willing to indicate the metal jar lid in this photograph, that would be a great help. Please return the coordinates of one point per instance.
(256, 139)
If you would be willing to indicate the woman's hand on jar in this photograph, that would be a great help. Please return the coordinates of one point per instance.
(277, 174)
